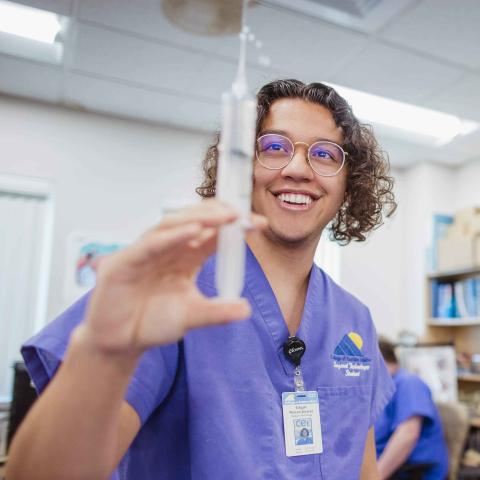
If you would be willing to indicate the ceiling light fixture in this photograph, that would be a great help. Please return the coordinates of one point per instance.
(29, 22)
(441, 127)
(33, 34)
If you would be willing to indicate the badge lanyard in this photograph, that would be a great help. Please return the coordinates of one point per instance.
(294, 348)
(301, 409)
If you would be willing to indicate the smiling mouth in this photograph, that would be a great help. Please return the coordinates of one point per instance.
(295, 198)
(295, 201)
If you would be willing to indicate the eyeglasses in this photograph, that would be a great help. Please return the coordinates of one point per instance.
(275, 152)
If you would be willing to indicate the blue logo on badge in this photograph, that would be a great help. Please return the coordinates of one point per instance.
(348, 356)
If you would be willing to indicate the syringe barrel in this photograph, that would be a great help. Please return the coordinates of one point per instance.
(234, 186)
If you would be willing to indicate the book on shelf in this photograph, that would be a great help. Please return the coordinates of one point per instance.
(459, 299)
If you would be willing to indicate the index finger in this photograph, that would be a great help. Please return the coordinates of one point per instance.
(209, 213)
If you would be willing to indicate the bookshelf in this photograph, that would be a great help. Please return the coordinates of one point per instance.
(453, 298)
(453, 322)
(454, 274)
(469, 377)
(453, 306)
(460, 327)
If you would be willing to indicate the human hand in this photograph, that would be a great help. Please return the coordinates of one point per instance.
(146, 293)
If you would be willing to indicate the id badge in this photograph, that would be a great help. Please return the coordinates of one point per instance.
(301, 422)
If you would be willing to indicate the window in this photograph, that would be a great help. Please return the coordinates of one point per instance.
(25, 244)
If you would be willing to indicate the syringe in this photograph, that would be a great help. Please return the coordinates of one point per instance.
(234, 177)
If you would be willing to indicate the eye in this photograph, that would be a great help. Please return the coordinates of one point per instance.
(321, 153)
(327, 153)
(275, 147)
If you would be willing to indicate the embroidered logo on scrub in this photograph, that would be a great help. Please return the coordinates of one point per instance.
(348, 357)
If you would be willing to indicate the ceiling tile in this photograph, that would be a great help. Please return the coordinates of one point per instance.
(30, 79)
(381, 12)
(120, 56)
(307, 47)
(145, 18)
(127, 101)
(216, 77)
(394, 73)
(443, 28)
(461, 98)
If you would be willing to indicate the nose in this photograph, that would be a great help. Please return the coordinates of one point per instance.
(299, 168)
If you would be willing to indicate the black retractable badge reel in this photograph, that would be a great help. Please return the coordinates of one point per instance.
(294, 348)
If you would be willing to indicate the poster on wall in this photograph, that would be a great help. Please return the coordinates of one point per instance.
(436, 366)
(85, 252)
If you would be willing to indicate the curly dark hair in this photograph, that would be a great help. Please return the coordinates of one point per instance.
(369, 191)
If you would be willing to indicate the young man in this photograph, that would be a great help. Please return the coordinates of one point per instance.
(139, 384)
(409, 430)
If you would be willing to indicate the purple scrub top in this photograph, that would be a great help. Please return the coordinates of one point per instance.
(210, 405)
(413, 398)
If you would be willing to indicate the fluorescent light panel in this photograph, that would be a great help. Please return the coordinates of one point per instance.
(28, 22)
(439, 126)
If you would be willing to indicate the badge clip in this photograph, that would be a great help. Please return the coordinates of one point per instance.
(293, 349)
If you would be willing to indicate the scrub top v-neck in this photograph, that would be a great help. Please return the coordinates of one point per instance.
(210, 405)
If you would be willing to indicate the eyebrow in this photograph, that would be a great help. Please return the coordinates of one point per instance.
(286, 134)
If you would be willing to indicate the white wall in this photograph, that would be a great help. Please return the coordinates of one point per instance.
(372, 270)
(388, 271)
(108, 175)
(431, 189)
(468, 185)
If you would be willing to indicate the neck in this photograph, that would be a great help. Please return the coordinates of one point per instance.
(392, 368)
(277, 259)
(287, 268)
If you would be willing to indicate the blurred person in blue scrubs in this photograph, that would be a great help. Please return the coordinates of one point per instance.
(409, 430)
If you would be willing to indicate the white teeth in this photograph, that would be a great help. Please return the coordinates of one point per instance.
(298, 198)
